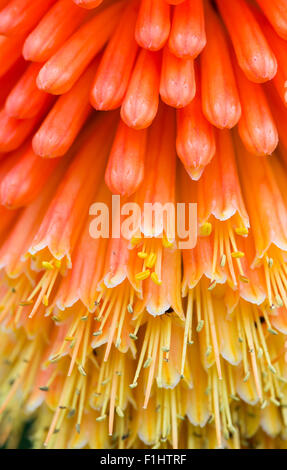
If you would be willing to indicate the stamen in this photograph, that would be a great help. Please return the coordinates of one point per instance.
(142, 275)
(205, 229)
(155, 279)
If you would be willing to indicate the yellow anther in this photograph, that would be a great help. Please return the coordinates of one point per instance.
(234, 397)
(142, 255)
(147, 363)
(143, 275)
(119, 412)
(55, 358)
(156, 446)
(243, 231)
(47, 265)
(101, 418)
(208, 351)
(205, 229)
(133, 336)
(275, 402)
(26, 303)
(82, 370)
(133, 385)
(182, 418)
(151, 260)
(200, 325)
(246, 377)
(69, 338)
(237, 254)
(45, 300)
(106, 381)
(155, 279)
(56, 319)
(264, 404)
(57, 263)
(97, 333)
(244, 279)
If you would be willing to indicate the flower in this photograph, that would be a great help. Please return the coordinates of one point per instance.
(136, 342)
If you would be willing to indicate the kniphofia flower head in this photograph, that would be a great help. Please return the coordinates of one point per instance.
(139, 341)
